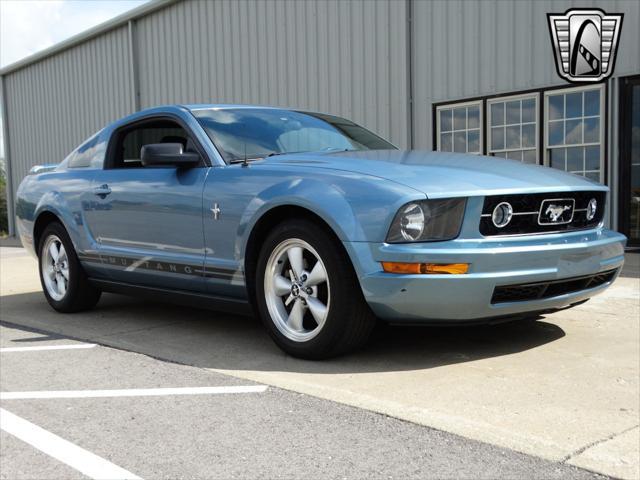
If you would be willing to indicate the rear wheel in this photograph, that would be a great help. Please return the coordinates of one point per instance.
(307, 293)
(63, 280)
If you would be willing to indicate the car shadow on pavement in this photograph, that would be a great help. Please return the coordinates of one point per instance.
(216, 340)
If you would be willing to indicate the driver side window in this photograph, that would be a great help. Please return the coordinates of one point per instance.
(129, 142)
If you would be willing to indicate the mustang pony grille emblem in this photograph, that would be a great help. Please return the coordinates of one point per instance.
(556, 211)
(585, 42)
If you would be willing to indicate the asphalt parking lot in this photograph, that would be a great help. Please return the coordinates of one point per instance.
(161, 391)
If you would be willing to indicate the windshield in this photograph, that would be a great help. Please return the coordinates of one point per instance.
(251, 133)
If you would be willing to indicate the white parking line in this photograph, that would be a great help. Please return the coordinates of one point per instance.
(133, 392)
(66, 452)
(48, 347)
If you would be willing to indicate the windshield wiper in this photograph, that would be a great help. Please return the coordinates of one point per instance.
(243, 160)
(325, 150)
(260, 157)
(275, 154)
(337, 150)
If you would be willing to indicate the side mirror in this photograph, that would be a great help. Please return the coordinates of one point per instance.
(167, 154)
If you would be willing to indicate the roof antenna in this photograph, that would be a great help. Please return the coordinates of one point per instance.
(245, 163)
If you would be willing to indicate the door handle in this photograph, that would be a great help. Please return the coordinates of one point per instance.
(102, 191)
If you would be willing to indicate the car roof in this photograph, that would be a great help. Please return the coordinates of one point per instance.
(222, 106)
(176, 108)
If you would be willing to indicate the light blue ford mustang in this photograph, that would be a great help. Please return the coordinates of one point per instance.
(313, 222)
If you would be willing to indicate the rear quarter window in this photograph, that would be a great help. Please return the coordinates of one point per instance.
(85, 154)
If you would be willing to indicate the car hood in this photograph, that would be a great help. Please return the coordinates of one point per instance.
(441, 175)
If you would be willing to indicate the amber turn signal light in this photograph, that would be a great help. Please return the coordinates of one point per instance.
(419, 268)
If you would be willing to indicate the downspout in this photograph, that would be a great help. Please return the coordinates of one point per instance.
(611, 152)
(133, 66)
(7, 158)
(409, 43)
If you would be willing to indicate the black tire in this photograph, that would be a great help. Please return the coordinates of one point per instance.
(349, 320)
(80, 294)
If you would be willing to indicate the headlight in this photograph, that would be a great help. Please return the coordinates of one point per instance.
(427, 221)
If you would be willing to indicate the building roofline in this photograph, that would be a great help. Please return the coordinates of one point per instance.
(111, 24)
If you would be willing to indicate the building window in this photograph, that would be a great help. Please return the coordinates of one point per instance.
(459, 128)
(574, 131)
(513, 128)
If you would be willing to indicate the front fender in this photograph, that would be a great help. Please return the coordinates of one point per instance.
(356, 208)
(313, 195)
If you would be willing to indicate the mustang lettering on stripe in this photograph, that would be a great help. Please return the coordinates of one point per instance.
(132, 264)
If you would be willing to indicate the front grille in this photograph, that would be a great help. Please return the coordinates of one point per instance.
(537, 291)
(526, 211)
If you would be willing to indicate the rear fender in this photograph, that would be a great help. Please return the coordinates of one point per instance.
(55, 203)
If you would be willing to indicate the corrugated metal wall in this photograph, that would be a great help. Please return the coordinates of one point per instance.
(469, 48)
(349, 58)
(345, 58)
(54, 104)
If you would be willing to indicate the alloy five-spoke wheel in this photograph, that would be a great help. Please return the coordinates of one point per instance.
(55, 268)
(307, 292)
(297, 290)
(64, 281)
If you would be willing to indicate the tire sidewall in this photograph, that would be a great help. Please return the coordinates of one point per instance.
(341, 288)
(74, 274)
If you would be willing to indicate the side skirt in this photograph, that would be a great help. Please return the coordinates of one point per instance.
(235, 306)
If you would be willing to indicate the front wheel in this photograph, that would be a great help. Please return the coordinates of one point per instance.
(64, 282)
(307, 293)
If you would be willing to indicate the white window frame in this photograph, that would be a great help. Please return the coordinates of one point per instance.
(521, 96)
(449, 106)
(547, 94)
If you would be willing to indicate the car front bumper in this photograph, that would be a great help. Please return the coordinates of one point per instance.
(494, 262)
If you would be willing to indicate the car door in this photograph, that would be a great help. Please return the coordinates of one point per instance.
(148, 220)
